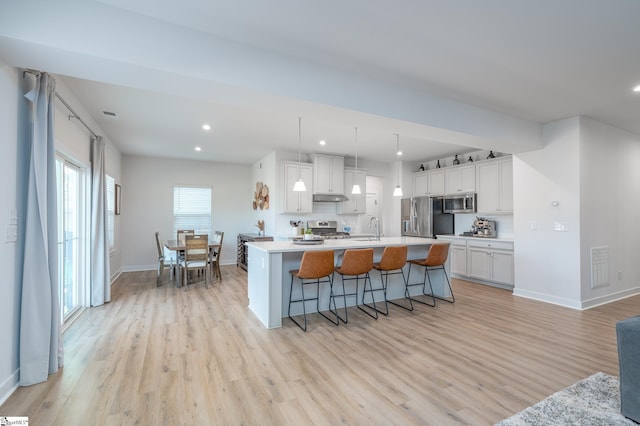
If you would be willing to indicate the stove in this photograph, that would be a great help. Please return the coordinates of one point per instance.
(327, 229)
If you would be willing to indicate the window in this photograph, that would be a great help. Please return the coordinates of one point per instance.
(111, 202)
(71, 231)
(192, 209)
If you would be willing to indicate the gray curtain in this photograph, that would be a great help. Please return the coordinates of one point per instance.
(41, 351)
(100, 275)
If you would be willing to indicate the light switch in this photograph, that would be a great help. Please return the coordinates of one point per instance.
(561, 226)
(11, 234)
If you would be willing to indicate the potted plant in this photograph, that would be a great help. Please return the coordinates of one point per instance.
(308, 234)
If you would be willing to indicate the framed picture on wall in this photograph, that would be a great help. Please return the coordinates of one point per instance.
(117, 199)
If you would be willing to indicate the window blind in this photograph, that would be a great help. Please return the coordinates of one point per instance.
(192, 209)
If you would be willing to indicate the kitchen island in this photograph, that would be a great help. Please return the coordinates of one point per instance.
(269, 280)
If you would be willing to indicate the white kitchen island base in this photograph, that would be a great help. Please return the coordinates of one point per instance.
(269, 280)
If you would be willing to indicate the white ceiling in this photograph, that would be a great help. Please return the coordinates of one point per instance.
(447, 76)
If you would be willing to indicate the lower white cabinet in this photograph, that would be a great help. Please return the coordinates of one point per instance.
(458, 253)
(482, 260)
(491, 261)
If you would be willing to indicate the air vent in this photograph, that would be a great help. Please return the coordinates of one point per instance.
(109, 113)
(599, 267)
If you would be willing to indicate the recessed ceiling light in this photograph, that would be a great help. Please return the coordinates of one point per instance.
(198, 149)
(206, 127)
(323, 142)
(399, 153)
(637, 88)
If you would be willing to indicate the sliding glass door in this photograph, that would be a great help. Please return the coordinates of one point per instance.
(71, 247)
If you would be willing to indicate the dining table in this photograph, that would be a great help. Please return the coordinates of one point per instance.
(179, 247)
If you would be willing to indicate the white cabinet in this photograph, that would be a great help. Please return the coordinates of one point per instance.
(483, 260)
(459, 179)
(357, 203)
(490, 261)
(458, 255)
(494, 180)
(328, 174)
(297, 202)
(428, 183)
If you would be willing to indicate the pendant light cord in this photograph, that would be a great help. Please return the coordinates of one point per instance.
(356, 149)
(299, 142)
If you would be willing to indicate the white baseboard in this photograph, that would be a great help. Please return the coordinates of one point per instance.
(154, 266)
(8, 387)
(597, 301)
(578, 304)
(542, 297)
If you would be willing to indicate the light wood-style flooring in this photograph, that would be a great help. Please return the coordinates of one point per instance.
(197, 356)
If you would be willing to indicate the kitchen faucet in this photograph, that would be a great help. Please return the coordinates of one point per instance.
(377, 222)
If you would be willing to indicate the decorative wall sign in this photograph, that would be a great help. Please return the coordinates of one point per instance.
(261, 197)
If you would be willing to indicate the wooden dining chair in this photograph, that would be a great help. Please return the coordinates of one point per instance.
(215, 253)
(165, 260)
(196, 256)
(181, 234)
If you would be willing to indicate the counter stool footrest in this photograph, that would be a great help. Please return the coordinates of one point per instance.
(372, 291)
(344, 295)
(423, 284)
(303, 300)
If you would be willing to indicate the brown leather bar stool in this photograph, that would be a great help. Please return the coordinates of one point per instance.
(355, 264)
(436, 258)
(391, 263)
(316, 267)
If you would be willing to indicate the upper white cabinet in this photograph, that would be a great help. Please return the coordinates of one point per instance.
(357, 202)
(328, 171)
(428, 183)
(494, 181)
(459, 179)
(297, 202)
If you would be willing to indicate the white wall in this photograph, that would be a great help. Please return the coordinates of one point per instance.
(10, 132)
(609, 206)
(147, 204)
(547, 262)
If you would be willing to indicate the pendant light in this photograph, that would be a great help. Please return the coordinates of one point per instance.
(299, 185)
(356, 188)
(397, 192)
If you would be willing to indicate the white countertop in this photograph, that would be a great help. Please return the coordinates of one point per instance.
(347, 243)
(462, 237)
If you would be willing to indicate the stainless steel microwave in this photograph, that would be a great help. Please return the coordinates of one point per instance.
(459, 203)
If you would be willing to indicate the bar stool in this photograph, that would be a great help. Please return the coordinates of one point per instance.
(436, 258)
(316, 267)
(391, 263)
(355, 263)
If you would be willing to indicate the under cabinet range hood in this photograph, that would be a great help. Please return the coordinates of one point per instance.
(329, 198)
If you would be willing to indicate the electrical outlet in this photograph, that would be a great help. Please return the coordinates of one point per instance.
(533, 226)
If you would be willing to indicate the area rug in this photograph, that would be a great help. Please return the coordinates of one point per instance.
(592, 401)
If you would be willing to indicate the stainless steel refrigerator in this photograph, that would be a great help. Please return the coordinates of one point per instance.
(423, 217)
